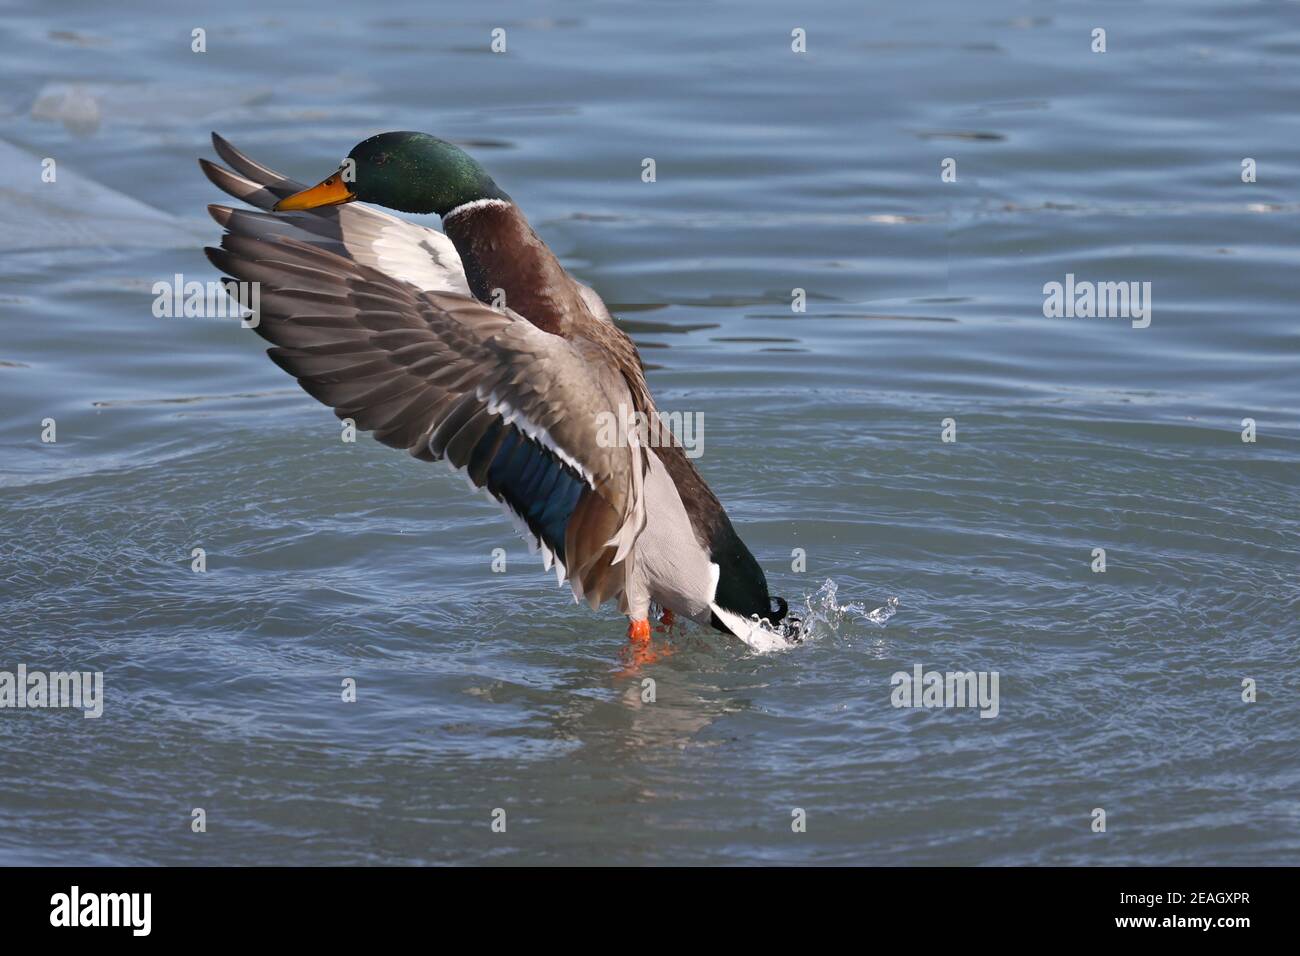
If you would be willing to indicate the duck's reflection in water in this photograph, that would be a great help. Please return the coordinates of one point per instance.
(661, 697)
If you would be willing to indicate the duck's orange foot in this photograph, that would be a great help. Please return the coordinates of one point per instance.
(667, 620)
(639, 650)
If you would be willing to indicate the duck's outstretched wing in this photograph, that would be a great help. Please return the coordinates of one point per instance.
(527, 416)
(423, 257)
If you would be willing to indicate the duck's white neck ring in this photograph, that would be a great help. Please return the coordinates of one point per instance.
(472, 205)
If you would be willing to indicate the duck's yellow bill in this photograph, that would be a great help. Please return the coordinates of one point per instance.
(332, 192)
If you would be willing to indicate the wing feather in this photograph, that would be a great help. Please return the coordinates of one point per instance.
(517, 409)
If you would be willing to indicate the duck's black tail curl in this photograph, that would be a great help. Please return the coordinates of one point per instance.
(793, 627)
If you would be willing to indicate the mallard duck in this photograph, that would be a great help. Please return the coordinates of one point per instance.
(474, 346)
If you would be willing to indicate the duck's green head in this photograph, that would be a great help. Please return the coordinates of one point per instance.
(409, 172)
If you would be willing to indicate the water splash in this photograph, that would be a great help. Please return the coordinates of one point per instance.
(882, 614)
(823, 614)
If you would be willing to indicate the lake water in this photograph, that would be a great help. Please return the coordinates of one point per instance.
(775, 170)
